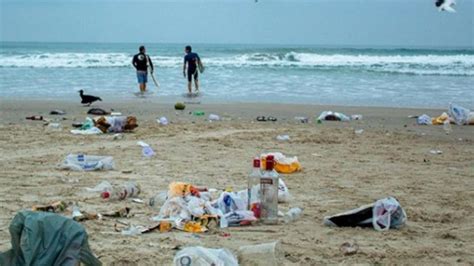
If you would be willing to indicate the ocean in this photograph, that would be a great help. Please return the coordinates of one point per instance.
(245, 73)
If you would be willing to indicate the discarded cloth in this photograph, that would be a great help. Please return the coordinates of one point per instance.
(42, 238)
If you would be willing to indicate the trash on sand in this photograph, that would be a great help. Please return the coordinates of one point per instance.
(118, 136)
(214, 117)
(79, 216)
(459, 114)
(283, 137)
(57, 206)
(147, 151)
(163, 121)
(261, 254)
(284, 165)
(41, 238)
(333, 116)
(77, 124)
(198, 113)
(97, 111)
(283, 192)
(204, 256)
(57, 112)
(302, 119)
(424, 120)
(266, 119)
(447, 127)
(436, 151)
(356, 117)
(440, 119)
(121, 213)
(89, 131)
(358, 131)
(55, 126)
(292, 215)
(382, 215)
(115, 113)
(348, 248)
(133, 230)
(158, 200)
(35, 117)
(116, 124)
(127, 190)
(240, 218)
(81, 162)
(179, 106)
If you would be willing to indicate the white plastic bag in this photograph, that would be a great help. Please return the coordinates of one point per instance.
(423, 120)
(387, 213)
(459, 113)
(283, 192)
(229, 202)
(89, 131)
(175, 207)
(201, 256)
(81, 162)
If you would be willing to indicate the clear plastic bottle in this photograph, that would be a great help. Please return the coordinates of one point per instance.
(292, 215)
(447, 126)
(269, 193)
(127, 190)
(253, 188)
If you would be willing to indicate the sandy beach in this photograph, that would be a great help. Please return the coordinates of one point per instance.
(341, 170)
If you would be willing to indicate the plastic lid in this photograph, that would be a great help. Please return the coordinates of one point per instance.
(269, 162)
(256, 163)
(105, 195)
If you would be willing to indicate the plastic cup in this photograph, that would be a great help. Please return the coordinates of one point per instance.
(261, 254)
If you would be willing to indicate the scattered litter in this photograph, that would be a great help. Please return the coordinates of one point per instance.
(163, 121)
(54, 126)
(204, 256)
(333, 116)
(284, 165)
(292, 215)
(89, 131)
(118, 136)
(382, 215)
(358, 131)
(147, 151)
(121, 213)
(126, 190)
(302, 119)
(214, 117)
(424, 120)
(348, 248)
(81, 162)
(198, 113)
(136, 200)
(116, 124)
(459, 114)
(261, 254)
(57, 206)
(97, 111)
(133, 230)
(35, 117)
(266, 119)
(115, 113)
(77, 124)
(447, 127)
(57, 112)
(179, 106)
(436, 151)
(356, 117)
(283, 137)
(283, 192)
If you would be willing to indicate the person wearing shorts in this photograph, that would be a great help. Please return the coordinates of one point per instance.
(141, 61)
(190, 68)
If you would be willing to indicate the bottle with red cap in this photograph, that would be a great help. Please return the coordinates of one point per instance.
(127, 190)
(253, 188)
(269, 192)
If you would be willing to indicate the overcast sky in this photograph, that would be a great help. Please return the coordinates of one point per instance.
(403, 23)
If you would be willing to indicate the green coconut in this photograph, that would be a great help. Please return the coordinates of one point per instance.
(179, 106)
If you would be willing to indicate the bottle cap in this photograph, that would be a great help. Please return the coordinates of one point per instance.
(105, 195)
(256, 163)
(269, 162)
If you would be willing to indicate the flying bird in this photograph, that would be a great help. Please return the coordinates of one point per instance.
(88, 99)
(445, 5)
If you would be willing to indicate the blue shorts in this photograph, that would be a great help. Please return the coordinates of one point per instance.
(142, 77)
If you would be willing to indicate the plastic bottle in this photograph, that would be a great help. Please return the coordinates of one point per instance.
(253, 187)
(447, 126)
(292, 215)
(127, 190)
(269, 193)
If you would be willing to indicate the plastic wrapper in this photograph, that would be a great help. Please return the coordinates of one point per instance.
(201, 256)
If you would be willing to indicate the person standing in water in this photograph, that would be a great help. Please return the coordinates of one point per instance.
(141, 61)
(190, 68)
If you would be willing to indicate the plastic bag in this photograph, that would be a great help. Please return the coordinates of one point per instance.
(81, 162)
(236, 217)
(459, 113)
(388, 214)
(333, 116)
(229, 202)
(283, 165)
(175, 207)
(89, 131)
(195, 206)
(201, 256)
(283, 192)
(424, 120)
